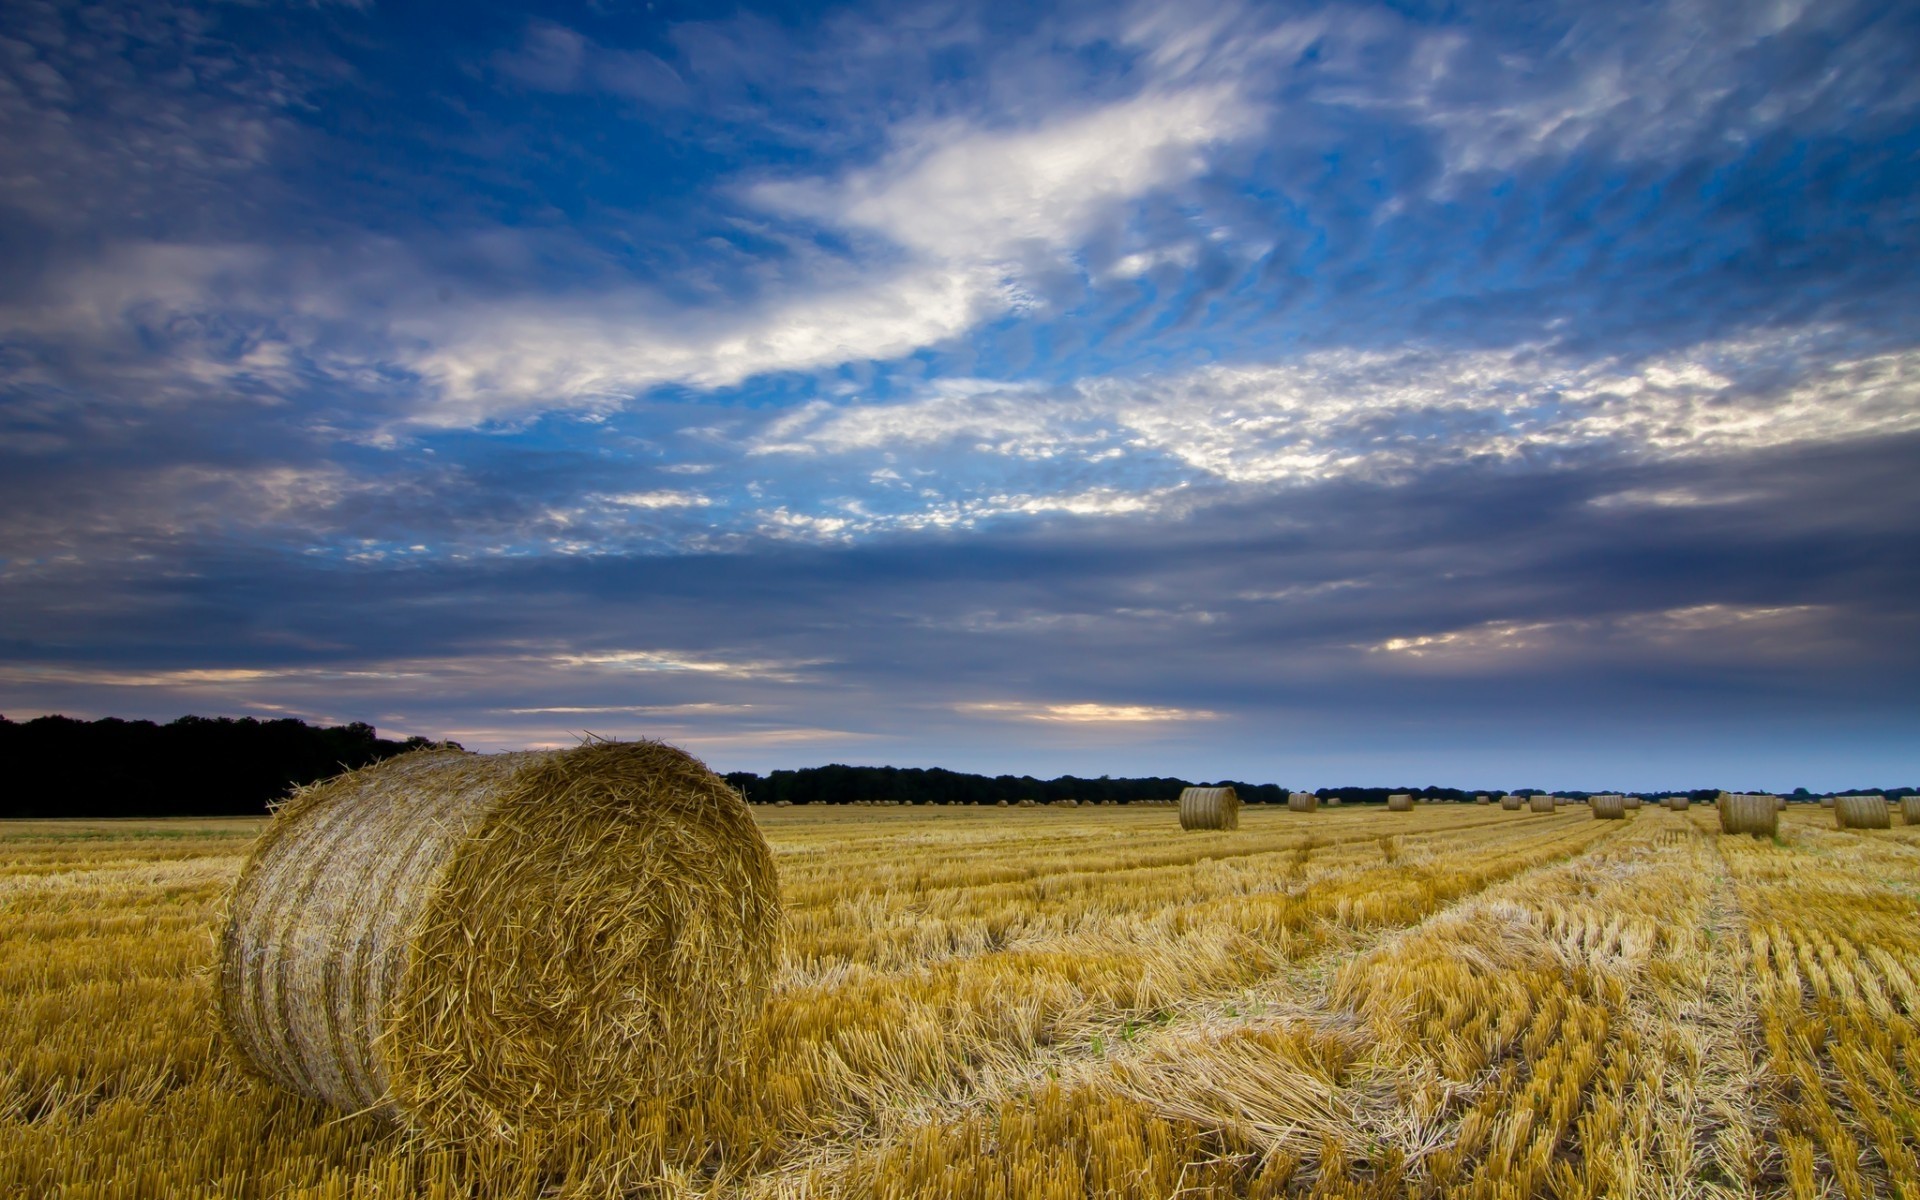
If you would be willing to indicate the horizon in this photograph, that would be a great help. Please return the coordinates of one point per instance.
(1230, 391)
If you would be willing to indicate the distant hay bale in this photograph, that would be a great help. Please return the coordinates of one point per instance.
(1000, 803)
(1910, 810)
(1332, 802)
(1302, 802)
(1608, 808)
(1512, 803)
(1540, 803)
(1028, 802)
(783, 804)
(1632, 802)
(1679, 803)
(1861, 812)
(1209, 808)
(1754, 813)
(1826, 802)
(495, 947)
(1400, 802)
(1483, 798)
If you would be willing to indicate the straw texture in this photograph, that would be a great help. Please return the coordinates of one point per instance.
(1540, 804)
(1861, 812)
(494, 946)
(1302, 802)
(1608, 808)
(1209, 808)
(1400, 802)
(1755, 813)
(1910, 810)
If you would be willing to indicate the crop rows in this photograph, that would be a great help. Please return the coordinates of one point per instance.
(1456, 1001)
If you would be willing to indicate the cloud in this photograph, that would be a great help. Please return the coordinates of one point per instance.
(1085, 713)
(1745, 634)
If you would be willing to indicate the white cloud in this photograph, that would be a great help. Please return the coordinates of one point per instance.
(1342, 414)
(1696, 631)
(1085, 713)
(662, 498)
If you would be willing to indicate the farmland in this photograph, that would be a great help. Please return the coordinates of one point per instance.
(978, 1002)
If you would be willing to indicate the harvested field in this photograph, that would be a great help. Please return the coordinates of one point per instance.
(978, 1002)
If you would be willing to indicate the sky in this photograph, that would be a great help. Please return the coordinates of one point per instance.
(1480, 394)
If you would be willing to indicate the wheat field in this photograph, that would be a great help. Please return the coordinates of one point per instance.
(972, 1002)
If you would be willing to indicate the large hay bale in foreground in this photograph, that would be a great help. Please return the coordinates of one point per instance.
(1302, 802)
(1861, 812)
(1512, 803)
(1540, 803)
(494, 947)
(1400, 802)
(1754, 813)
(1209, 808)
(1608, 808)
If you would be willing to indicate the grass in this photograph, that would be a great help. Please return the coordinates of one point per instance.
(1088, 1002)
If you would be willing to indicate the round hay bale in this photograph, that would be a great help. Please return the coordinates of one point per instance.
(1332, 802)
(1512, 803)
(1826, 802)
(1483, 798)
(1632, 803)
(1608, 808)
(493, 947)
(1678, 803)
(1302, 802)
(1861, 812)
(1748, 813)
(1028, 802)
(1000, 803)
(1540, 804)
(1400, 802)
(1209, 808)
(1910, 810)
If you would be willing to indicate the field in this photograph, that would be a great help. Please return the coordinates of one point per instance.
(1456, 1001)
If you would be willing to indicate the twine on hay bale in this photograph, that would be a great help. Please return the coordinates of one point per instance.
(1540, 804)
(1400, 802)
(1302, 802)
(1512, 803)
(1608, 808)
(1861, 812)
(496, 947)
(1755, 813)
(1209, 808)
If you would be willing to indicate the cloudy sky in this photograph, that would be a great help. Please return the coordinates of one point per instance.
(1488, 394)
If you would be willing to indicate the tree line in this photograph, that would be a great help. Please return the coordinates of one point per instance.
(215, 766)
(195, 766)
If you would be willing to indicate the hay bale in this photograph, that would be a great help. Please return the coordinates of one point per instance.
(1332, 802)
(1000, 804)
(1608, 808)
(1483, 798)
(494, 947)
(1028, 802)
(1400, 802)
(1540, 803)
(1632, 803)
(1826, 802)
(1861, 812)
(1209, 808)
(1754, 813)
(1910, 810)
(1678, 803)
(1512, 803)
(1302, 802)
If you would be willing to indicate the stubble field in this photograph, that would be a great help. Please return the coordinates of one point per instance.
(972, 1002)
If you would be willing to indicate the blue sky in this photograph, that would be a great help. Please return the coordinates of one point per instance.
(1492, 394)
